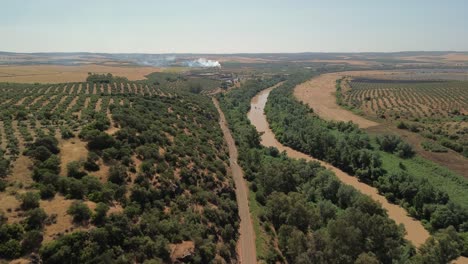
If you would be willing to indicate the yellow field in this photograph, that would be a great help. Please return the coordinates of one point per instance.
(60, 73)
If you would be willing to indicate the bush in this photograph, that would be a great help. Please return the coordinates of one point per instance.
(10, 249)
(404, 150)
(40, 153)
(99, 217)
(402, 125)
(30, 200)
(90, 163)
(118, 174)
(47, 191)
(32, 241)
(101, 141)
(3, 185)
(66, 133)
(74, 170)
(49, 142)
(80, 212)
(35, 219)
(433, 146)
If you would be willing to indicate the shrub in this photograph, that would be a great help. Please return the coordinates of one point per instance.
(66, 133)
(99, 217)
(10, 249)
(32, 241)
(80, 212)
(433, 146)
(404, 150)
(35, 219)
(74, 170)
(118, 174)
(47, 191)
(30, 200)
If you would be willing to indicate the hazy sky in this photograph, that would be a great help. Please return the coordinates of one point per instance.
(232, 26)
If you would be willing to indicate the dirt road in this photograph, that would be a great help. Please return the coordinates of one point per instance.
(246, 243)
(415, 231)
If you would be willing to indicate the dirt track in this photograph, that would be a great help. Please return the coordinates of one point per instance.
(415, 231)
(246, 244)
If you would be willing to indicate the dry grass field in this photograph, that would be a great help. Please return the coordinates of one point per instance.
(61, 73)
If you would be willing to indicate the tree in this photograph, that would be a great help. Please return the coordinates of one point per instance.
(91, 162)
(47, 191)
(49, 142)
(74, 170)
(404, 150)
(35, 219)
(40, 153)
(10, 249)
(118, 174)
(444, 247)
(99, 216)
(32, 241)
(101, 141)
(367, 258)
(80, 212)
(30, 200)
(66, 133)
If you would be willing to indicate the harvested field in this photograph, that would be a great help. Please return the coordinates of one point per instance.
(319, 94)
(60, 73)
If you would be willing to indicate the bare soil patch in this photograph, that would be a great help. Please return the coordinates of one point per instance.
(10, 205)
(64, 224)
(71, 150)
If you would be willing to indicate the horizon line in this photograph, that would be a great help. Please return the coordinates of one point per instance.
(236, 53)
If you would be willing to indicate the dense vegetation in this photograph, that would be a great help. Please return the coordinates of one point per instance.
(353, 151)
(163, 161)
(302, 212)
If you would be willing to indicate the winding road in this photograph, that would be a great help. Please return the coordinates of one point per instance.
(415, 230)
(246, 243)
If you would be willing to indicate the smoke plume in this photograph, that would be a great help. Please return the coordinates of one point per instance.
(203, 63)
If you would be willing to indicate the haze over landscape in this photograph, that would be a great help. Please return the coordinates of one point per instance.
(241, 26)
(234, 132)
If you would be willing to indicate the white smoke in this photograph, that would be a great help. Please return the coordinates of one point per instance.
(203, 63)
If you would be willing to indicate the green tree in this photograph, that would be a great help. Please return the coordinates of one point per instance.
(30, 200)
(80, 212)
(100, 214)
(444, 247)
(35, 219)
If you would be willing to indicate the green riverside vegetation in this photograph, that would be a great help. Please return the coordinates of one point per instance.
(307, 213)
(347, 147)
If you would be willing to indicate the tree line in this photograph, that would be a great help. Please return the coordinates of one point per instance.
(347, 147)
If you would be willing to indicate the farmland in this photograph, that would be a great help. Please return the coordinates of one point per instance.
(139, 157)
(436, 109)
(142, 161)
(70, 73)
